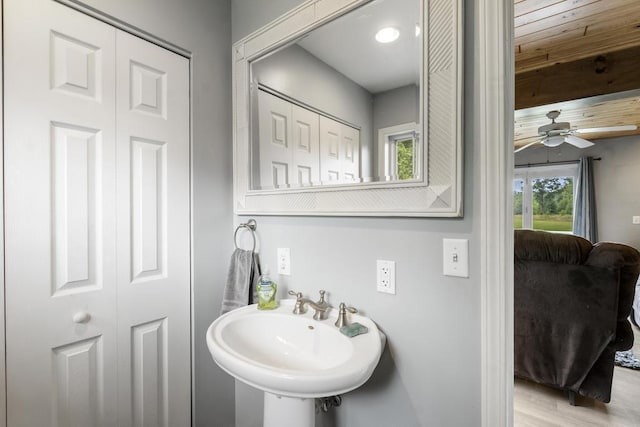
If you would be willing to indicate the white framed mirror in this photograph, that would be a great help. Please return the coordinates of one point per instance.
(331, 120)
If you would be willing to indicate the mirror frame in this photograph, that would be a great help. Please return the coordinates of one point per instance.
(438, 193)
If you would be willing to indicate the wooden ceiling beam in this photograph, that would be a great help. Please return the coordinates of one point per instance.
(585, 42)
(589, 13)
(548, 32)
(559, 11)
(596, 75)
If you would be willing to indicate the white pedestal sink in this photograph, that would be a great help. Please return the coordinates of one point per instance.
(293, 358)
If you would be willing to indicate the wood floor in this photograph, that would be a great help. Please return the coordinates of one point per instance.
(539, 406)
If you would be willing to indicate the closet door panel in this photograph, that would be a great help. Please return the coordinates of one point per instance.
(350, 159)
(153, 234)
(276, 154)
(330, 153)
(305, 146)
(60, 216)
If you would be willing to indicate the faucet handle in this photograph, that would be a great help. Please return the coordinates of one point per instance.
(342, 314)
(321, 297)
(299, 307)
(298, 295)
(344, 308)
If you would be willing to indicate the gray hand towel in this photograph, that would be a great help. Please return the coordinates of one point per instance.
(244, 271)
(257, 272)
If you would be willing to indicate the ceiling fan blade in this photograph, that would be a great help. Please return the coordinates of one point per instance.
(607, 129)
(526, 146)
(578, 142)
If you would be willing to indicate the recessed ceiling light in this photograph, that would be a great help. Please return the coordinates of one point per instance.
(387, 35)
(417, 30)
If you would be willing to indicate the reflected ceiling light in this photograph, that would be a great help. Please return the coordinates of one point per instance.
(417, 30)
(387, 35)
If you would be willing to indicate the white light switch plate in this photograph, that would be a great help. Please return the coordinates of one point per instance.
(455, 257)
(635, 219)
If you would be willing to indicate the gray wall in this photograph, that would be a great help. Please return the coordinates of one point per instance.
(202, 27)
(395, 107)
(429, 374)
(289, 71)
(616, 179)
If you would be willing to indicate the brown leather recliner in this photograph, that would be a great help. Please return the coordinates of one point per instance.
(572, 301)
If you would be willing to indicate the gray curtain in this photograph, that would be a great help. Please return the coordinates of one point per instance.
(584, 210)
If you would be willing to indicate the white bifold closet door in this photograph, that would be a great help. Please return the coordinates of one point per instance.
(97, 223)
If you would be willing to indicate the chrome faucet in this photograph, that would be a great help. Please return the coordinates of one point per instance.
(321, 306)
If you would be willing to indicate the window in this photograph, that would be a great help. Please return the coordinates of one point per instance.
(543, 197)
(400, 148)
(403, 155)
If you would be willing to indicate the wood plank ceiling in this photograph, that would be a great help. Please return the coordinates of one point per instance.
(570, 55)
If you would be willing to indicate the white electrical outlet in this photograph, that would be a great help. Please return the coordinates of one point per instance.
(284, 261)
(386, 276)
(635, 219)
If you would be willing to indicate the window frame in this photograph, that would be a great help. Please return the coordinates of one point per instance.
(388, 138)
(529, 173)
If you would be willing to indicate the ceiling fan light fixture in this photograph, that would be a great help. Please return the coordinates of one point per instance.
(554, 141)
(387, 35)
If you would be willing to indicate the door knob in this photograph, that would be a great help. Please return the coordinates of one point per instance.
(81, 317)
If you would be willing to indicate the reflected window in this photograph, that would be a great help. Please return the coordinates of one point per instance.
(403, 155)
(400, 145)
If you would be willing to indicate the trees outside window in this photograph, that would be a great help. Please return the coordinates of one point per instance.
(404, 158)
(543, 198)
(400, 153)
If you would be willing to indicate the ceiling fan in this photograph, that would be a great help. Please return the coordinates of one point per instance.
(555, 133)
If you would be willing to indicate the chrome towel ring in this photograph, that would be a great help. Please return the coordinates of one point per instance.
(251, 225)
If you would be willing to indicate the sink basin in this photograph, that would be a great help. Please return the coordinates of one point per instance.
(293, 355)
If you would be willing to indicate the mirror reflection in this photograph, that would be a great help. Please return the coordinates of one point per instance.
(341, 105)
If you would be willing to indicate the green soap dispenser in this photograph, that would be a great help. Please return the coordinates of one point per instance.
(267, 291)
